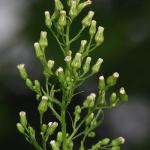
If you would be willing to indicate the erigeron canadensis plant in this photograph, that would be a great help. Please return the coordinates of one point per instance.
(77, 69)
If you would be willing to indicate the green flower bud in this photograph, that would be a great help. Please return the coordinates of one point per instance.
(22, 71)
(37, 86)
(86, 66)
(32, 133)
(89, 119)
(115, 148)
(73, 10)
(105, 141)
(59, 138)
(118, 141)
(43, 40)
(88, 19)
(29, 84)
(44, 128)
(43, 106)
(58, 5)
(91, 134)
(54, 145)
(48, 20)
(50, 64)
(38, 96)
(76, 63)
(23, 118)
(90, 101)
(77, 109)
(68, 59)
(113, 99)
(69, 2)
(99, 37)
(81, 6)
(83, 46)
(123, 95)
(102, 100)
(51, 128)
(96, 67)
(101, 84)
(60, 74)
(93, 123)
(69, 144)
(111, 80)
(20, 128)
(62, 19)
(38, 51)
(92, 29)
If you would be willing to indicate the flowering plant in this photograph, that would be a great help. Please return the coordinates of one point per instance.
(77, 69)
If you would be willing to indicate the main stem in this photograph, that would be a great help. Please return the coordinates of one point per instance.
(63, 125)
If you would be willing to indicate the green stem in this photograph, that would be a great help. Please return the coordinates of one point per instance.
(63, 126)
(60, 44)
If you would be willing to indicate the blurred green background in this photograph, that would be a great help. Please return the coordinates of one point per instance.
(126, 49)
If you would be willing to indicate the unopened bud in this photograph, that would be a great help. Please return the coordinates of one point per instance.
(77, 109)
(23, 118)
(83, 46)
(118, 141)
(89, 119)
(68, 59)
(43, 40)
(32, 133)
(96, 67)
(37, 86)
(48, 20)
(101, 84)
(90, 101)
(54, 145)
(91, 134)
(99, 37)
(111, 80)
(123, 95)
(50, 64)
(76, 63)
(86, 66)
(105, 141)
(43, 106)
(59, 137)
(22, 71)
(62, 19)
(113, 99)
(88, 19)
(20, 128)
(81, 6)
(92, 29)
(38, 51)
(44, 128)
(115, 148)
(29, 84)
(58, 5)
(51, 128)
(60, 74)
(73, 10)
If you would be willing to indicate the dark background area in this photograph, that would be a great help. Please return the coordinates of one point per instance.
(126, 50)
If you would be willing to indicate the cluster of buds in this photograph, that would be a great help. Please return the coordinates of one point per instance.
(115, 144)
